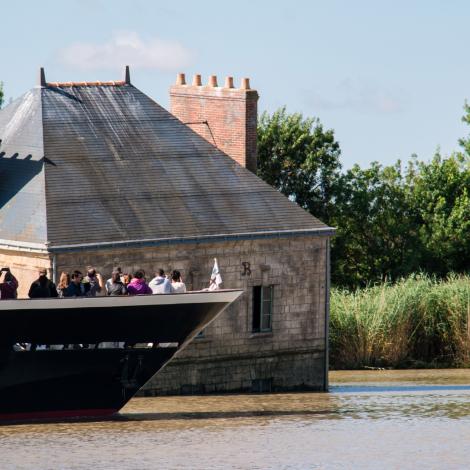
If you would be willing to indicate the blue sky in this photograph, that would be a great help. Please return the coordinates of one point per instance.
(390, 77)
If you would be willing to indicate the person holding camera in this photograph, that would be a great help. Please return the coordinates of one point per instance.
(177, 284)
(94, 282)
(8, 285)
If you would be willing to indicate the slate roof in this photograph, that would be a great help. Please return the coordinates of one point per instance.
(22, 189)
(100, 164)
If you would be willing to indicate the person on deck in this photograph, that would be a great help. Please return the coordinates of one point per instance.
(8, 285)
(138, 286)
(76, 287)
(160, 284)
(110, 280)
(64, 282)
(116, 286)
(94, 281)
(177, 284)
(42, 287)
(126, 278)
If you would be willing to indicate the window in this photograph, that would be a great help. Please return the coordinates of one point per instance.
(262, 308)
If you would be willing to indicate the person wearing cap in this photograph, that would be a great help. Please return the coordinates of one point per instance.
(42, 287)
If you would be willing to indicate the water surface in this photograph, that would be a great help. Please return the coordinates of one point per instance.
(371, 419)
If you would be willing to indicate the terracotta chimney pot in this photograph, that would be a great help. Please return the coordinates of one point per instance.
(197, 80)
(245, 85)
(228, 82)
(212, 81)
(181, 79)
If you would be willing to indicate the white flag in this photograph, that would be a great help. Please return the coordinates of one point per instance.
(216, 278)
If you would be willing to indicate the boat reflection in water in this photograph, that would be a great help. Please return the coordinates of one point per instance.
(58, 383)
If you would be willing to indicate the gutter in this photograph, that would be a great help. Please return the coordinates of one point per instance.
(327, 231)
(24, 246)
(55, 278)
(47, 248)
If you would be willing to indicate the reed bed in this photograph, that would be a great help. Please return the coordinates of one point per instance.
(419, 321)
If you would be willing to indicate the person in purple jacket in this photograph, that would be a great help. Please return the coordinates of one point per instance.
(138, 286)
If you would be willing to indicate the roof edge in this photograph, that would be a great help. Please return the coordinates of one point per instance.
(323, 231)
(14, 245)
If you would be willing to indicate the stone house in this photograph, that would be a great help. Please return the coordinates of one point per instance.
(98, 173)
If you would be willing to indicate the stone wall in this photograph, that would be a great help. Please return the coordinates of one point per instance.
(229, 357)
(274, 371)
(25, 266)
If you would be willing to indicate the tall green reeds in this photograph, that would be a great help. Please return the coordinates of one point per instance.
(418, 321)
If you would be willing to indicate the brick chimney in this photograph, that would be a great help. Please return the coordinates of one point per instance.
(225, 116)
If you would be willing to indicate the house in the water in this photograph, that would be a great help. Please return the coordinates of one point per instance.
(98, 173)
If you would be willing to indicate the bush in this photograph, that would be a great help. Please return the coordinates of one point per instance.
(418, 320)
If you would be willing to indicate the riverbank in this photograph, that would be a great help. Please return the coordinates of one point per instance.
(417, 322)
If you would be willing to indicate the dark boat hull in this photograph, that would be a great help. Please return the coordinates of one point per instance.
(72, 383)
(91, 382)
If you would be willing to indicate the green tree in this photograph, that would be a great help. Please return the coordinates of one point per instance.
(390, 222)
(377, 235)
(441, 194)
(299, 158)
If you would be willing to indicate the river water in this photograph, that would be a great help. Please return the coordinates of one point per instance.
(369, 420)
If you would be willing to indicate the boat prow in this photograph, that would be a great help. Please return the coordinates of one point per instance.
(83, 370)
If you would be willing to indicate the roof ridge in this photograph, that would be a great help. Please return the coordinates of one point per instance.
(43, 83)
(95, 83)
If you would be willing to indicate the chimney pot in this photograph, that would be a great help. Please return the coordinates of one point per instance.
(228, 82)
(181, 79)
(212, 81)
(127, 76)
(245, 85)
(197, 80)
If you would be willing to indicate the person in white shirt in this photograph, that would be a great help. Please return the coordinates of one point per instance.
(177, 284)
(160, 284)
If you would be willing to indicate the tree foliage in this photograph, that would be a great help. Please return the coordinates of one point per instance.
(376, 225)
(441, 195)
(299, 158)
(391, 221)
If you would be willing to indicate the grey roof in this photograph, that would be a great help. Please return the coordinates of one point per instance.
(108, 164)
(22, 192)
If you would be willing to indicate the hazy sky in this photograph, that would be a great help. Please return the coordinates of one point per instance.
(390, 77)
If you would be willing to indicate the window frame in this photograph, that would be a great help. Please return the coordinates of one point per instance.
(260, 301)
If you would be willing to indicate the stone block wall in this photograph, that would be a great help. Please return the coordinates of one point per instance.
(229, 356)
(25, 267)
(274, 371)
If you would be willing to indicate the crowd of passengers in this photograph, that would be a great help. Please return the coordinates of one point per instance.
(93, 284)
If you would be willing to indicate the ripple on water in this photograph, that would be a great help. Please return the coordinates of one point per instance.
(384, 419)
